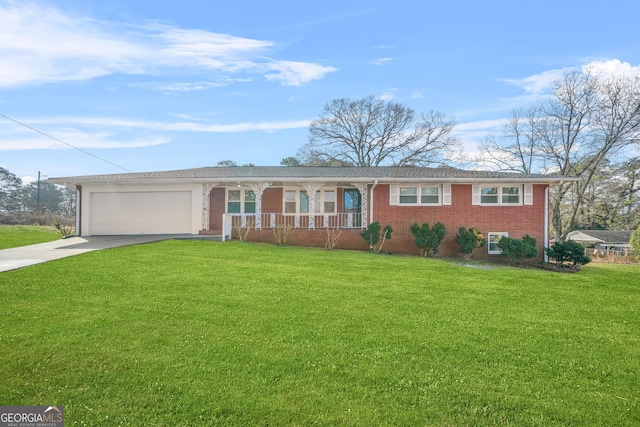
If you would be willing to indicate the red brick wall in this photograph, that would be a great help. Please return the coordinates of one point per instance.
(216, 209)
(516, 220)
(272, 200)
(349, 238)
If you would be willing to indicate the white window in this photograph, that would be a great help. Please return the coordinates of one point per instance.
(408, 195)
(510, 195)
(430, 195)
(493, 239)
(501, 195)
(241, 201)
(297, 201)
(417, 195)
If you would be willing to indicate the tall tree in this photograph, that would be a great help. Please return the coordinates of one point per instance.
(374, 132)
(290, 162)
(587, 121)
(10, 186)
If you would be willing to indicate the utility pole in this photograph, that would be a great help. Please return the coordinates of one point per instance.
(38, 192)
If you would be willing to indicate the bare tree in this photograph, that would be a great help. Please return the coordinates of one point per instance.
(587, 121)
(373, 132)
(516, 150)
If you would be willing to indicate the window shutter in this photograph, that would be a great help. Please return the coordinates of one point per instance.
(446, 194)
(475, 197)
(528, 194)
(394, 195)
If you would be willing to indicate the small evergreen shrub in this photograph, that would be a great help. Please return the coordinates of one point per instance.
(376, 238)
(517, 250)
(428, 239)
(567, 254)
(469, 240)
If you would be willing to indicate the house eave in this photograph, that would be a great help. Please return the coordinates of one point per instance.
(72, 182)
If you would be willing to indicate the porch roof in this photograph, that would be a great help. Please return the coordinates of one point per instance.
(381, 174)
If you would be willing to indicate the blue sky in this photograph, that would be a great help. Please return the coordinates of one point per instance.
(158, 85)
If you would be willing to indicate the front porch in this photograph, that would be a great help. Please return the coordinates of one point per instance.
(264, 206)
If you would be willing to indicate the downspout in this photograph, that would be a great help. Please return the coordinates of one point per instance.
(375, 183)
(545, 243)
(78, 189)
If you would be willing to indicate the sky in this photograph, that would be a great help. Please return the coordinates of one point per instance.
(93, 87)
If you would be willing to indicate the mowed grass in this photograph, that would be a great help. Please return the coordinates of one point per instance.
(12, 236)
(188, 333)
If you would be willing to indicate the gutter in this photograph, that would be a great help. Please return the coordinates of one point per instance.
(545, 242)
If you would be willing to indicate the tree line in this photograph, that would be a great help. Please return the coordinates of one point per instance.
(588, 127)
(19, 202)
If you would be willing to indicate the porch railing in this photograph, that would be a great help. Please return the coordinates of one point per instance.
(279, 220)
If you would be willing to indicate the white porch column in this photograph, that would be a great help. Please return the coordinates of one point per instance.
(312, 188)
(363, 188)
(206, 190)
(258, 188)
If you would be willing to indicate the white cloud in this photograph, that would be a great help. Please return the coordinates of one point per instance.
(541, 83)
(179, 86)
(292, 73)
(113, 132)
(614, 67)
(387, 95)
(60, 48)
(538, 83)
(380, 61)
(75, 138)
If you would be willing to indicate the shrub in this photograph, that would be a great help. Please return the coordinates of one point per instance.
(469, 240)
(428, 239)
(376, 238)
(333, 237)
(64, 229)
(635, 243)
(282, 233)
(518, 250)
(568, 254)
(243, 227)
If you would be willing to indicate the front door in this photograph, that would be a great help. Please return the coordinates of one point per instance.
(352, 208)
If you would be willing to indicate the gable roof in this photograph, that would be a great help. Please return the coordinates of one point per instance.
(315, 173)
(600, 236)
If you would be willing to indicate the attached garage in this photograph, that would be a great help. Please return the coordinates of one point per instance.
(140, 212)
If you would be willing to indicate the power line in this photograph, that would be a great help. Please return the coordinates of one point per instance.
(65, 143)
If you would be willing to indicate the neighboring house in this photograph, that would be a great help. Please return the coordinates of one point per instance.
(602, 239)
(213, 200)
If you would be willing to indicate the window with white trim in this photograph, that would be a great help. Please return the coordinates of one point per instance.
(241, 201)
(501, 195)
(493, 238)
(418, 195)
(297, 201)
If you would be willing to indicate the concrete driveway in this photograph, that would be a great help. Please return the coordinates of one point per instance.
(23, 256)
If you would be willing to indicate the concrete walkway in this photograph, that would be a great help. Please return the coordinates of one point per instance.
(23, 256)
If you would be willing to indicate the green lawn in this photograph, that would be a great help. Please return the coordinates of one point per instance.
(12, 236)
(182, 333)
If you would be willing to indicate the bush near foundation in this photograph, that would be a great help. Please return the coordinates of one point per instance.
(469, 240)
(517, 250)
(567, 254)
(428, 239)
(375, 237)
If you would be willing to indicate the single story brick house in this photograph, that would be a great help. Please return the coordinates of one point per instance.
(216, 200)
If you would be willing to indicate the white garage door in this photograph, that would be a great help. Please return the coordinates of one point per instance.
(152, 212)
